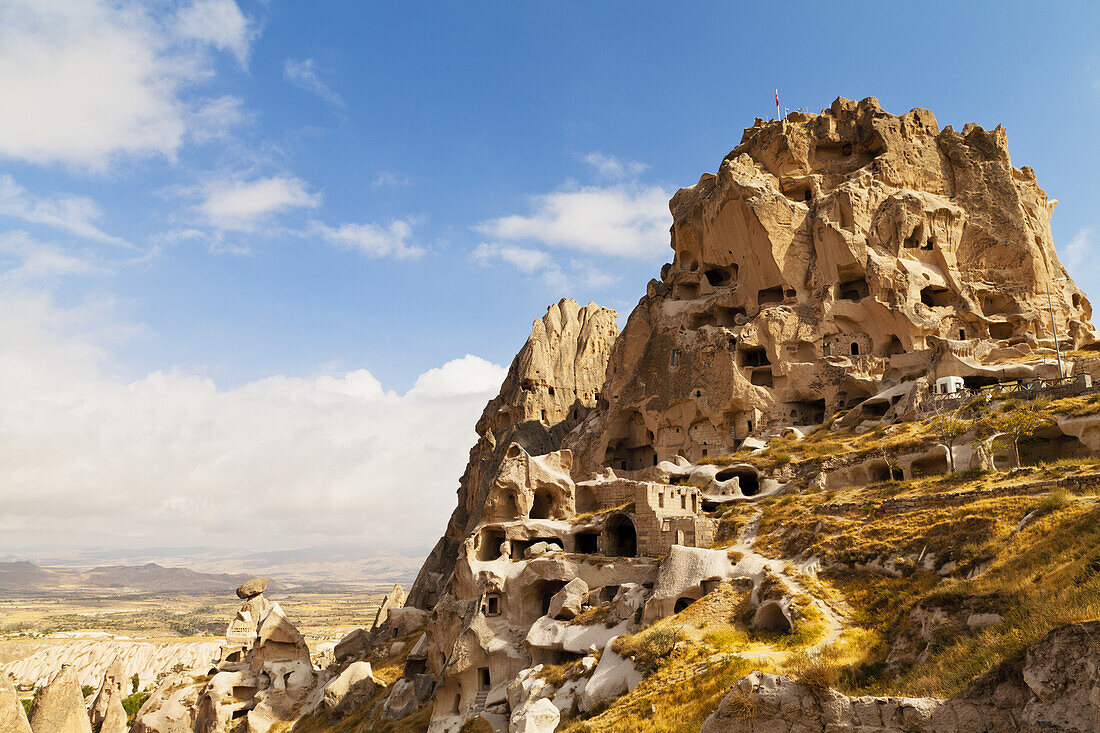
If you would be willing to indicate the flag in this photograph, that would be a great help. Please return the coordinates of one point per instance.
(777, 99)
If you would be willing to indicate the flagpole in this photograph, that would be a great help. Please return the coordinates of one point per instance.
(777, 116)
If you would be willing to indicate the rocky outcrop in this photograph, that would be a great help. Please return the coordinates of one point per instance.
(551, 386)
(351, 688)
(264, 675)
(114, 715)
(91, 658)
(114, 680)
(1055, 686)
(59, 706)
(13, 718)
(832, 256)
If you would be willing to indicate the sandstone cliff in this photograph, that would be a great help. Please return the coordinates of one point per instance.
(831, 256)
(551, 386)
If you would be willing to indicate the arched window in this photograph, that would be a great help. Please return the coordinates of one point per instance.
(855, 349)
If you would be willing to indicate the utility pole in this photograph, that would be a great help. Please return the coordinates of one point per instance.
(1054, 328)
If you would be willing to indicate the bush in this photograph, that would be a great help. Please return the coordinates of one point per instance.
(815, 672)
(1057, 499)
(650, 650)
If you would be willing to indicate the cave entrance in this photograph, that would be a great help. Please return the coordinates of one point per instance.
(1001, 330)
(854, 290)
(622, 537)
(770, 617)
(588, 543)
(770, 295)
(682, 603)
(718, 276)
(747, 479)
(753, 356)
(930, 465)
(488, 548)
(934, 297)
(542, 504)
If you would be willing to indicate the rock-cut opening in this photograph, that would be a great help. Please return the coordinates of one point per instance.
(771, 617)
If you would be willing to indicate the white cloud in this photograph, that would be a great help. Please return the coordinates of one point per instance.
(609, 166)
(170, 458)
(373, 240)
(74, 214)
(303, 74)
(241, 205)
(219, 23)
(213, 119)
(1079, 248)
(625, 220)
(527, 260)
(389, 179)
(84, 83)
(538, 263)
(24, 259)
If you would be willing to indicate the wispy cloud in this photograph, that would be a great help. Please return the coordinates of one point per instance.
(609, 166)
(541, 265)
(373, 240)
(1079, 248)
(625, 220)
(241, 205)
(389, 179)
(74, 214)
(303, 74)
(219, 23)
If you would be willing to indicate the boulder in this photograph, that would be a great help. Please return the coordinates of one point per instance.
(353, 646)
(394, 599)
(568, 602)
(351, 689)
(59, 707)
(408, 695)
(541, 716)
(614, 676)
(252, 588)
(541, 548)
(13, 718)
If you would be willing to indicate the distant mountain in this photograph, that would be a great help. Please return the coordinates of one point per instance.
(26, 576)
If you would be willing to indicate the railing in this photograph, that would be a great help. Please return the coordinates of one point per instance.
(1022, 390)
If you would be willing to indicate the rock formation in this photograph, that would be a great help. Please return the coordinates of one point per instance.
(1055, 687)
(13, 719)
(92, 658)
(263, 675)
(551, 386)
(114, 715)
(831, 258)
(59, 706)
(836, 265)
(112, 685)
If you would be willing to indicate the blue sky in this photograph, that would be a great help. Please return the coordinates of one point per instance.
(242, 200)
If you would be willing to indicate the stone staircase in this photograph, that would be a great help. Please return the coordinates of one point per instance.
(479, 701)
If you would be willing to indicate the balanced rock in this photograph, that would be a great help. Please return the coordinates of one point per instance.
(59, 707)
(13, 718)
(252, 588)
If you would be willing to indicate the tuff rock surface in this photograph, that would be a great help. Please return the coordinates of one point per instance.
(1055, 687)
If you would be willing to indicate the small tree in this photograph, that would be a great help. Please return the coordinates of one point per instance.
(1015, 425)
(135, 681)
(949, 424)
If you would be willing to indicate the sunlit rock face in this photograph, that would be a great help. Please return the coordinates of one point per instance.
(551, 386)
(831, 256)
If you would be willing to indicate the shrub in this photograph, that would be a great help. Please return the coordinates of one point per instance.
(1057, 499)
(650, 650)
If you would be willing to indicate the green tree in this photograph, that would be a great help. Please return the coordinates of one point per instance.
(135, 681)
(1016, 425)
